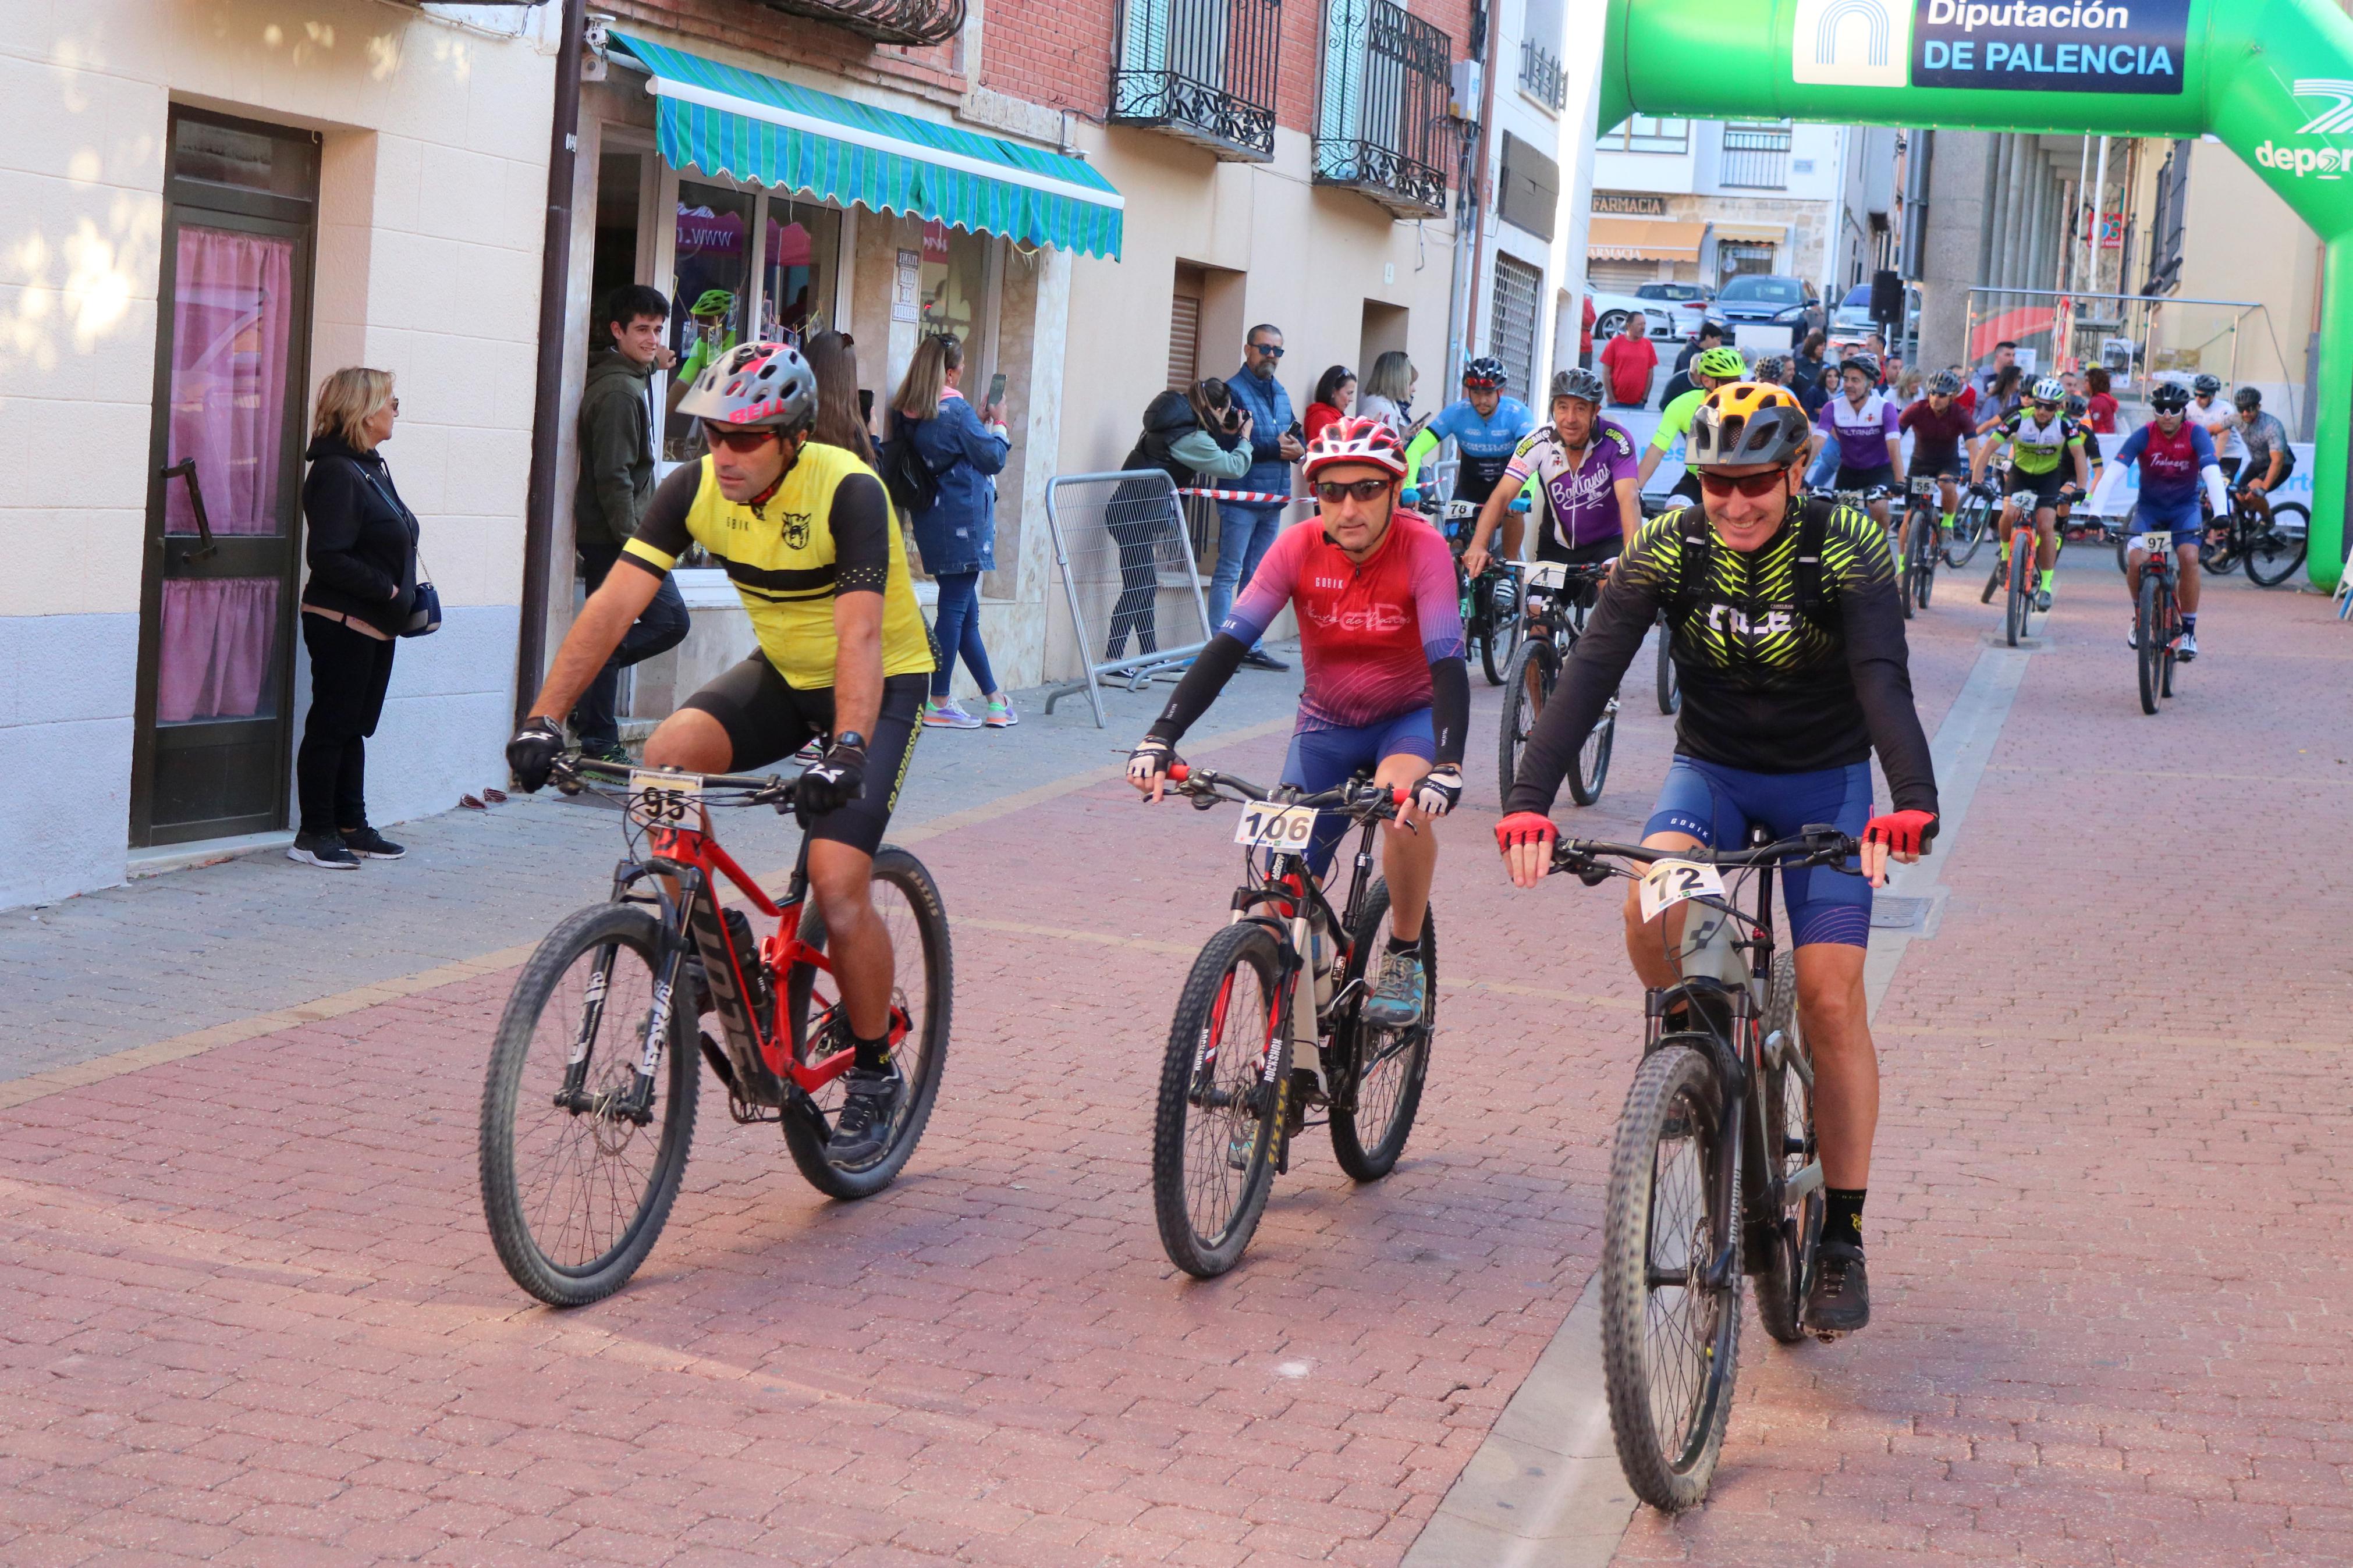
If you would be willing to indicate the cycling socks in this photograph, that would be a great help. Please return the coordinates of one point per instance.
(2050, 579)
(1842, 1213)
(2189, 621)
(872, 1056)
(1405, 943)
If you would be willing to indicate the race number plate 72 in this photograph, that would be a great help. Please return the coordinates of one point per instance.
(1669, 882)
(1287, 829)
(664, 799)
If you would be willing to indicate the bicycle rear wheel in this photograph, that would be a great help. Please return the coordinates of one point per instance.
(1671, 696)
(1670, 1334)
(2275, 551)
(1786, 1267)
(580, 1159)
(923, 985)
(2148, 629)
(1529, 681)
(1585, 780)
(1224, 1081)
(1924, 557)
(2018, 602)
(1383, 1070)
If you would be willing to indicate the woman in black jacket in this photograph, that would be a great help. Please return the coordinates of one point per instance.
(1185, 434)
(362, 584)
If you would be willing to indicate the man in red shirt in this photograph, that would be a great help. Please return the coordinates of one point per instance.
(1627, 361)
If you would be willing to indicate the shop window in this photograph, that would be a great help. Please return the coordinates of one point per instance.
(797, 269)
(954, 273)
(713, 269)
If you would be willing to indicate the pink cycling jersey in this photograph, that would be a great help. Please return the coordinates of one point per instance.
(1367, 632)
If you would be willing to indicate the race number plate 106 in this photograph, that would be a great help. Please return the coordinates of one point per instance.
(1669, 882)
(663, 799)
(1287, 829)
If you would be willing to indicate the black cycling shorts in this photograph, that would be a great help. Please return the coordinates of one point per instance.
(2257, 467)
(767, 719)
(2044, 485)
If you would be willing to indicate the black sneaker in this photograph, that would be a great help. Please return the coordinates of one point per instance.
(368, 843)
(1257, 660)
(324, 850)
(1840, 1302)
(605, 751)
(863, 1129)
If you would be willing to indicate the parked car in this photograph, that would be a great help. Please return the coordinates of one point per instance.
(1767, 298)
(1610, 310)
(1687, 303)
(1852, 323)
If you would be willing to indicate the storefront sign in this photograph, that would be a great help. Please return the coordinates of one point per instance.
(1631, 204)
(2066, 48)
(907, 292)
(936, 241)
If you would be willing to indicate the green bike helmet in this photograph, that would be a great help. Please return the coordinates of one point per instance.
(1725, 365)
(713, 303)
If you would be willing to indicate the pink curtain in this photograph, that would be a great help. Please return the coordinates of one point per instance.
(217, 638)
(231, 314)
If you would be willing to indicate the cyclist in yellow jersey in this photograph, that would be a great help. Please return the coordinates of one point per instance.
(806, 532)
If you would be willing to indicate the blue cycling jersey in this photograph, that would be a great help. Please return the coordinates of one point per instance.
(1485, 445)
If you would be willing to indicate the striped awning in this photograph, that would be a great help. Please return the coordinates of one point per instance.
(723, 120)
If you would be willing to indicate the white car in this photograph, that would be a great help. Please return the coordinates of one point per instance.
(1687, 303)
(1610, 310)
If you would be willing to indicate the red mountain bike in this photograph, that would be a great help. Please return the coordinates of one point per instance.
(588, 1106)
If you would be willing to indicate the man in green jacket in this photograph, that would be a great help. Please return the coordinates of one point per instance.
(617, 480)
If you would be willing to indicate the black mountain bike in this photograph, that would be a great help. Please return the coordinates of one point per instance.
(2272, 542)
(1559, 599)
(2156, 619)
(1919, 561)
(1715, 1172)
(1286, 977)
(588, 1105)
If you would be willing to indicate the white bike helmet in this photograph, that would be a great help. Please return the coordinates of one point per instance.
(761, 385)
(2050, 389)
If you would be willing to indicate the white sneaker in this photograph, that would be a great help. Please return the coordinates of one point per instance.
(946, 715)
(1000, 714)
(2187, 648)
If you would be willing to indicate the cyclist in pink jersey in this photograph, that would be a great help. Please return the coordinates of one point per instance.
(1380, 640)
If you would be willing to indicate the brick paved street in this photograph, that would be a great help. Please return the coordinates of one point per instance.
(252, 1316)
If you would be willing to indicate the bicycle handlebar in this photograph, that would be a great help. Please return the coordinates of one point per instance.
(1815, 845)
(765, 787)
(1372, 799)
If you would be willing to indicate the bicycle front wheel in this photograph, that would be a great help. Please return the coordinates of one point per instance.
(1968, 533)
(2020, 602)
(1782, 1243)
(1224, 1082)
(2218, 547)
(1669, 1317)
(1906, 570)
(922, 981)
(2148, 630)
(1503, 639)
(1533, 669)
(1373, 1109)
(1585, 780)
(580, 1153)
(1924, 572)
(2275, 551)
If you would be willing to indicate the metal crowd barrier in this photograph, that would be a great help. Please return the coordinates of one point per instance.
(1120, 541)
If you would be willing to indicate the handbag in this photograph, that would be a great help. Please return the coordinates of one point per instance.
(914, 483)
(425, 611)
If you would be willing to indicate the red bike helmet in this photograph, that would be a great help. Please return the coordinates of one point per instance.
(1354, 440)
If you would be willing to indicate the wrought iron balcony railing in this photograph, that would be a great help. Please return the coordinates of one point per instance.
(1541, 77)
(1199, 69)
(907, 22)
(1381, 125)
(1756, 157)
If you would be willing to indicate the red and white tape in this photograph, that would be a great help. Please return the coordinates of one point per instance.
(1268, 497)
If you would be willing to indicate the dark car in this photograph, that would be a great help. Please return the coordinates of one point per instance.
(1766, 298)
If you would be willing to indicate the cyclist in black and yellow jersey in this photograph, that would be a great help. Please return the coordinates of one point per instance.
(2050, 457)
(806, 532)
(1788, 639)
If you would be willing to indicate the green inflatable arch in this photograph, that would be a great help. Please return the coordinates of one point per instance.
(2272, 79)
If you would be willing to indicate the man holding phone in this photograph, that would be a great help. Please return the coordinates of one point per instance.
(1245, 529)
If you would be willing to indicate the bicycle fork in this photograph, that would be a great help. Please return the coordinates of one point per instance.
(635, 1103)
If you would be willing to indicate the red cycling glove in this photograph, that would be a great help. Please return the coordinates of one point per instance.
(1904, 832)
(1524, 827)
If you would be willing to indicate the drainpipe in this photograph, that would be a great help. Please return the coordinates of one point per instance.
(547, 393)
(1458, 353)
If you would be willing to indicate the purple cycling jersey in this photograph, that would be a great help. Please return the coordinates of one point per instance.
(1862, 433)
(1583, 500)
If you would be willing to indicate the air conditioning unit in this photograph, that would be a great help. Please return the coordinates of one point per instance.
(1467, 83)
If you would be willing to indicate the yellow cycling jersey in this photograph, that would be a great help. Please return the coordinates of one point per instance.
(820, 534)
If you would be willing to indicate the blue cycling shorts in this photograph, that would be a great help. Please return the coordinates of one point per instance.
(1326, 758)
(1717, 806)
(2183, 517)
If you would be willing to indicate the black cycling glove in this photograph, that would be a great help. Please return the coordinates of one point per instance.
(833, 781)
(1439, 791)
(532, 752)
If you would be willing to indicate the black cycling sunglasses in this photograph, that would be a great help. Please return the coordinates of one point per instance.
(1271, 350)
(2046, 407)
(1331, 492)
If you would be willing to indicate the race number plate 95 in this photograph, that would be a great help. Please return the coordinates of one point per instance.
(664, 800)
(1669, 882)
(1286, 829)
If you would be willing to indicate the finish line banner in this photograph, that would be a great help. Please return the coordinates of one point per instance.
(2011, 46)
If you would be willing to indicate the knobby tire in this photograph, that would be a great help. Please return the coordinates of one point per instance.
(1189, 1150)
(1789, 1120)
(1372, 1120)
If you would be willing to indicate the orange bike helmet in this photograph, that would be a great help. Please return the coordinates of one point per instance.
(1746, 422)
